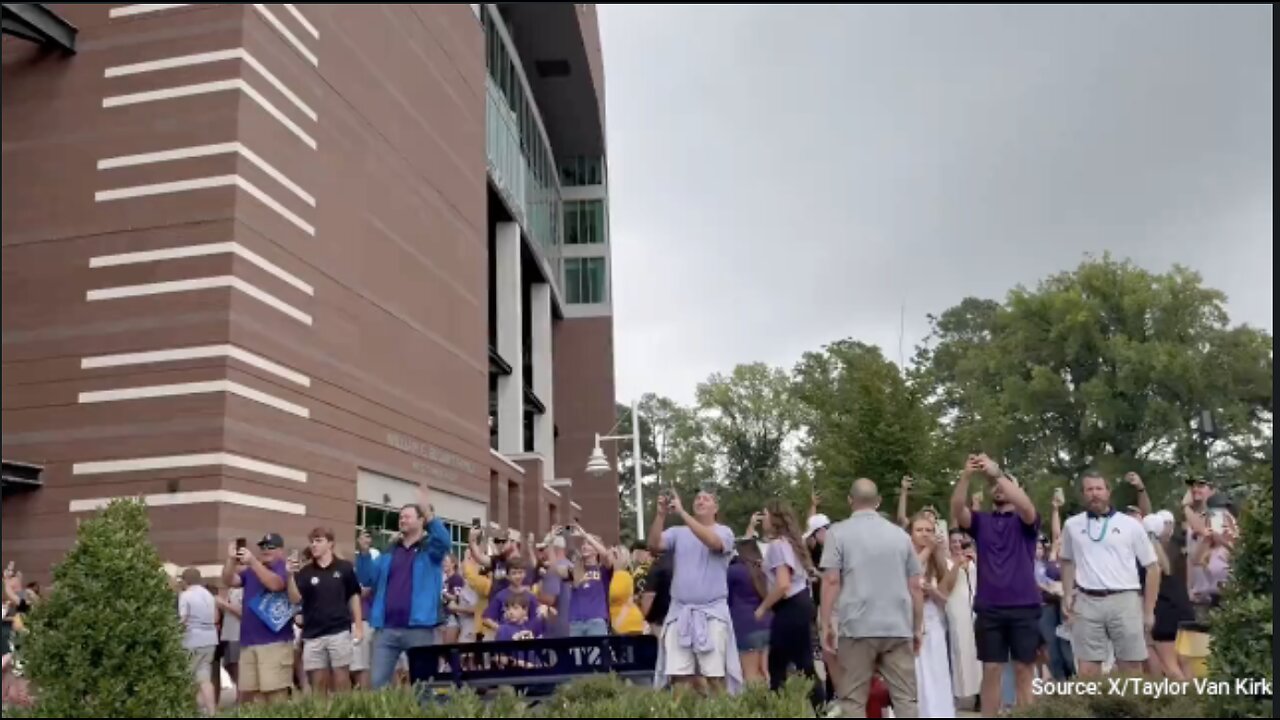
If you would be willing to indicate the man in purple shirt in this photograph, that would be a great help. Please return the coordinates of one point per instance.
(266, 655)
(1007, 602)
(407, 589)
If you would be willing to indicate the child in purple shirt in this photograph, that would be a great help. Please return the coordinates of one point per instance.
(519, 622)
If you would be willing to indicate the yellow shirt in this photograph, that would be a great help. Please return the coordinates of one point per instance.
(627, 618)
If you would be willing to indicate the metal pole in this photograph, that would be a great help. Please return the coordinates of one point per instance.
(636, 462)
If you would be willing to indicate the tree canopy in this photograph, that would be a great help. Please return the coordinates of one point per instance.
(1108, 366)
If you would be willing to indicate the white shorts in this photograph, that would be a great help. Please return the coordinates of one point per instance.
(684, 662)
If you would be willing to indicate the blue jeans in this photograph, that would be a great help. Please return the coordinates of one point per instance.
(1062, 662)
(389, 644)
(589, 628)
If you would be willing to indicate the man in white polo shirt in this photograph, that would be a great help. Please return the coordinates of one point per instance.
(1101, 552)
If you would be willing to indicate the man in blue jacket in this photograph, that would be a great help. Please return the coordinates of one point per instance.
(406, 590)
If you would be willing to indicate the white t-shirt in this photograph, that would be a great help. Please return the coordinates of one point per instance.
(1106, 551)
(231, 623)
(196, 605)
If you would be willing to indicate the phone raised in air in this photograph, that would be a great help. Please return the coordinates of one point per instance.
(241, 544)
(1059, 496)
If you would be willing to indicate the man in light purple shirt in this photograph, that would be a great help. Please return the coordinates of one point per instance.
(697, 635)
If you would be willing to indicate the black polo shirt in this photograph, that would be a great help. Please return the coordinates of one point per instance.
(326, 594)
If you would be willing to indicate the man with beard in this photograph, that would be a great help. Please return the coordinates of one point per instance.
(1102, 597)
(1007, 602)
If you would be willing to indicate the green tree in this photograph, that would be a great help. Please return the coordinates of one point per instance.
(1104, 366)
(861, 418)
(750, 419)
(106, 642)
(673, 448)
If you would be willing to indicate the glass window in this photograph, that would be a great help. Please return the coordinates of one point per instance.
(584, 280)
(382, 534)
(584, 222)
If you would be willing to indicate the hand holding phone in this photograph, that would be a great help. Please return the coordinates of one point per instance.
(1059, 497)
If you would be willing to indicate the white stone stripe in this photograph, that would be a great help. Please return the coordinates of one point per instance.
(205, 183)
(215, 56)
(211, 87)
(127, 10)
(286, 34)
(315, 32)
(193, 284)
(575, 505)
(189, 251)
(196, 151)
(168, 462)
(504, 459)
(198, 497)
(173, 62)
(195, 353)
(551, 490)
(193, 388)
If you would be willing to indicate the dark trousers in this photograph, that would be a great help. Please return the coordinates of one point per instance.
(791, 645)
(1062, 662)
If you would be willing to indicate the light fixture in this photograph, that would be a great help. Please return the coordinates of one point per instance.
(598, 464)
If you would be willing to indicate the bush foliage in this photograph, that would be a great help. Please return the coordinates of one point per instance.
(1240, 644)
(107, 641)
(604, 696)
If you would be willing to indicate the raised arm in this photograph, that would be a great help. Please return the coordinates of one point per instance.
(960, 511)
(231, 568)
(904, 491)
(1015, 495)
(1056, 523)
(705, 533)
(473, 548)
(657, 543)
(1140, 487)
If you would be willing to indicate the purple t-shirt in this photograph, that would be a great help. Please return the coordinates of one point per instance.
(494, 610)
(701, 576)
(743, 601)
(253, 631)
(1006, 560)
(779, 553)
(400, 586)
(590, 598)
(530, 629)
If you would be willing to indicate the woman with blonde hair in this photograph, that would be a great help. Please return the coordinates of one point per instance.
(933, 666)
(624, 614)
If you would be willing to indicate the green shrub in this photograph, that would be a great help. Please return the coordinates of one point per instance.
(604, 696)
(107, 641)
(1240, 638)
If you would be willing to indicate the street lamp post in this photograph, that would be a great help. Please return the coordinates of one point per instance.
(598, 464)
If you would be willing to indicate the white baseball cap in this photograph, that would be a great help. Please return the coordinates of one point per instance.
(1156, 523)
(816, 523)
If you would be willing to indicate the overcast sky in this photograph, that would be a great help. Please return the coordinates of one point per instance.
(781, 177)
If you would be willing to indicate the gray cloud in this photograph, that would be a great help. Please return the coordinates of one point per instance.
(786, 176)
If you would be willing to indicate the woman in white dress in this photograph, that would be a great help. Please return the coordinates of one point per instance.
(966, 671)
(933, 674)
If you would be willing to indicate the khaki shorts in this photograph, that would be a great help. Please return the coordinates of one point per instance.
(362, 654)
(684, 662)
(202, 663)
(1114, 621)
(266, 668)
(331, 651)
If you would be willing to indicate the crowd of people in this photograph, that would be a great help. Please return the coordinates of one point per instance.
(924, 615)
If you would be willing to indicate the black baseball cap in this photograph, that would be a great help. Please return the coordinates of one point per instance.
(271, 541)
